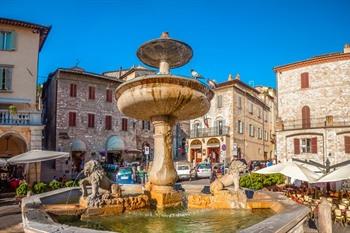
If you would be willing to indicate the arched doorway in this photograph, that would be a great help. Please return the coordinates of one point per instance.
(213, 146)
(114, 147)
(12, 144)
(196, 151)
(78, 150)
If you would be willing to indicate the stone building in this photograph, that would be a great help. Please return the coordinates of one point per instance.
(238, 124)
(81, 117)
(313, 108)
(20, 118)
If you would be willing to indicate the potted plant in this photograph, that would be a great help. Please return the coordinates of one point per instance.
(12, 109)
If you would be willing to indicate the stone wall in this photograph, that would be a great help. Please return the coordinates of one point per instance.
(328, 95)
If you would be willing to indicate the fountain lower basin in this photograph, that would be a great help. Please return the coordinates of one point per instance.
(287, 216)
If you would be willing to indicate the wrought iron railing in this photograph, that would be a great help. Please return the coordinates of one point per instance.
(20, 118)
(209, 132)
(322, 122)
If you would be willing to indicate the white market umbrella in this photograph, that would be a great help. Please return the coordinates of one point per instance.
(343, 173)
(3, 162)
(34, 156)
(292, 170)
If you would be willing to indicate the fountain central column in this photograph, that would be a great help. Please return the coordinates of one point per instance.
(163, 173)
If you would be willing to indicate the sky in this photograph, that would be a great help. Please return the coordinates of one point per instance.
(248, 37)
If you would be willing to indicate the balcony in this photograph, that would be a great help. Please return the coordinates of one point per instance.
(324, 122)
(20, 118)
(209, 132)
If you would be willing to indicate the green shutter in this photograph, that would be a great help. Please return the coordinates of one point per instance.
(1, 77)
(1, 40)
(8, 78)
(10, 41)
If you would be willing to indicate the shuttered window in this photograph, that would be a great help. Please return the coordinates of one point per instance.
(314, 145)
(72, 117)
(305, 115)
(219, 101)
(7, 41)
(296, 146)
(73, 90)
(108, 122)
(124, 124)
(5, 78)
(91, 93)
(304, 79)
(347, 144)
(91, 120)
(109, 95)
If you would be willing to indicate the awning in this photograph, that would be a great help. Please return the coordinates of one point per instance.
(133, 151)
(78, 145)
(34, 156)
(342, 173)
(14, 101)
(115, 143)
(196, 146)
(213, 145)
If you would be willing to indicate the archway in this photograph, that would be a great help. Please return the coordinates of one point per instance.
(115, 147)
(196, 151)
(12, 144)
(213, 152)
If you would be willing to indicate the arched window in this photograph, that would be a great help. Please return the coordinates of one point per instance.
(219, 125)
(305, 116)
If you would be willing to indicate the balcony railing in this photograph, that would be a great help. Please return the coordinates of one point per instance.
(209, 132)
(323, 122)
(20, 118)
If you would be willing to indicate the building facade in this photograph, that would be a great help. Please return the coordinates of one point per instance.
(238, 124)
(313, 108)
(82, 118)
(20, 117)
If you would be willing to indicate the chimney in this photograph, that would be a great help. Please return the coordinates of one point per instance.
(238, 77)
(230, 77)
(347, 48)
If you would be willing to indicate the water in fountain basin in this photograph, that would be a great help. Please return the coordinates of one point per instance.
(79, 174)
(183, 220)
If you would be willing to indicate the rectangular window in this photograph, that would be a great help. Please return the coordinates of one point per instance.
(239, 102)
(259, 133)
(266, 118)
(109, 95)
(251, 108)
(7, 41)
(306, 145)
(146, 125)
(240, 127)
(91, 120)
(266, 135)
(219, 101)
(5, 78)
(73, 90)
(91, 93)
(251, 130)
(347, 144)
(304, 79)
(72, 117)
(124, 124)
(259, 112)
(108, 122)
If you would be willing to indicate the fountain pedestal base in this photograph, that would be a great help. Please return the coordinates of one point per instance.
(165, 197)
(224, 199)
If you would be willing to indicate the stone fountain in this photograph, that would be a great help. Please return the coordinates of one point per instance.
(164, 99)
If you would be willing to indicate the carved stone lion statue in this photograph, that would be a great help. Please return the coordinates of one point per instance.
(100, 183)
(231, 177)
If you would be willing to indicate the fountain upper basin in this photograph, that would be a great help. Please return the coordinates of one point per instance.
(163, 95)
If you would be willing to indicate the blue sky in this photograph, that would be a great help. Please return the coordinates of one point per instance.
(247, 37)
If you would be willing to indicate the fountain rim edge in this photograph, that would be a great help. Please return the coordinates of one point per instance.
(209, 93)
